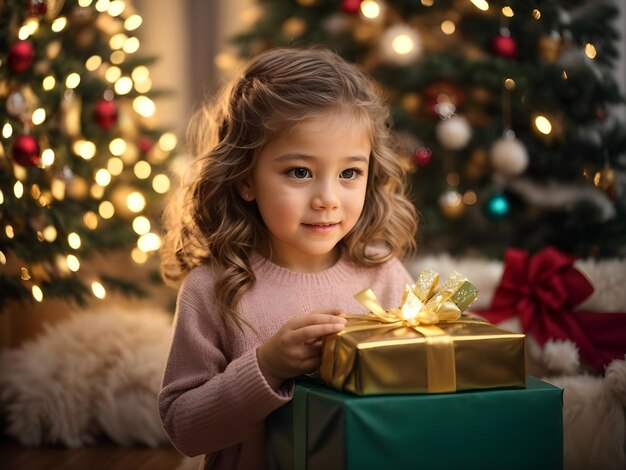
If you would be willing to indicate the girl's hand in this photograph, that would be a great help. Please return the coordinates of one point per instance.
(295, 349)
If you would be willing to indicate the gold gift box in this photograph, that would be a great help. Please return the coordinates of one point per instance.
(383, 354)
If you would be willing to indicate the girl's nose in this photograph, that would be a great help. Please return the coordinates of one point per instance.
(325, 198)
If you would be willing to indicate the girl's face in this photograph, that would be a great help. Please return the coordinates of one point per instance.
(309, 184)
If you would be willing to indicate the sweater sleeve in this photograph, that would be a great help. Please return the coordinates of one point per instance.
(208, 403)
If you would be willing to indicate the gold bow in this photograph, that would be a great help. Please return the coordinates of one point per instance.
(423, 303)
(423, 306)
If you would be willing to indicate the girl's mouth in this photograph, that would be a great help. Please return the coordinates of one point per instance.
(320, 228)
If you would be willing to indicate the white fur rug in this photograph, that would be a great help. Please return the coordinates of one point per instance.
(96, 374)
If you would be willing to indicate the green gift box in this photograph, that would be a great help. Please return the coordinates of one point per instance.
(325, 429)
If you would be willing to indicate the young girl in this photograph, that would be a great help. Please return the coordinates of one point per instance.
(298, 202)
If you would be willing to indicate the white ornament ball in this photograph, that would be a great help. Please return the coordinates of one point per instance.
(454, 133)
(400, 45)
(509, 157)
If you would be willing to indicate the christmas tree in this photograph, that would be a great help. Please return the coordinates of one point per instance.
(81, 165)
(504, 112)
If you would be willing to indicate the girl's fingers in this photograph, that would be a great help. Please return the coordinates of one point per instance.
(317, 318)
(314, 332)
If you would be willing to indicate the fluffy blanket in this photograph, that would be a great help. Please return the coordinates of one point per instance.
(96, 374)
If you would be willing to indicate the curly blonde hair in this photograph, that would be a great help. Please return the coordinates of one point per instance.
(209, 223)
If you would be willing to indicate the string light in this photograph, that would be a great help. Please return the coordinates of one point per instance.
(59, 24)
(74, 241)
(47, 157)
(402, 44)
(90, 219)
(103, 177)
(72, 263)
(149, 242)
(113, 74)
(48, 83)
(144, 106)
(536, 14)
(1, 197)
(370, 9)
(98, 290)
(115, 166)
(590, 51)
(132, 22)
(141, 225)
(7, 130)
(140, 73)
(106, 209)
(93, 63)
(123, 85)
(102, 5)
(3, 258)
(543, 124)
(37, 293)
(508, 12)
(28, 29)
(18, 189)
(117, 57)
(168, 142)
(39, 116)
(97, 191)
(161, 184)
(138, 256)
(58, 189)
(117, 41)
(448, 27)
(481, 4)
(116, 8)
(9, 231)
(135, 202)
(142, 170)
(131, 45)
(50, 233)
(84, 3)
(72, 80)
(84, 148)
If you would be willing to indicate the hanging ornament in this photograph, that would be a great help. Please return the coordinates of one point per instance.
(400, 45)
(36, 8)
(509, 156)
(504, 45)
(497, 206)
(422, 156)
(145, 144)
(16, 104)
(25, 151)
(443, 98)
(605, 180)
(21, 55)
(454, 133)
(351, 7)
(451, 204)
(105, 114)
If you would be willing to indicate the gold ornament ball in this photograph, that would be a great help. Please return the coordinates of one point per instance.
(451, 204)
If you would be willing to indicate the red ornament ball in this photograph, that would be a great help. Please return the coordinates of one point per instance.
(26, 151)
(105, 114)
(37, 8)
(422, 156)
(145, 144)
(21, 55)
(504, 46)
(351, 6)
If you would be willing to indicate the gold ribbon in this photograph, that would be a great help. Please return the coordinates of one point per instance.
(423, 306)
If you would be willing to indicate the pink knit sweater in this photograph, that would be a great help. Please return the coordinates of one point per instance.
(214, 399)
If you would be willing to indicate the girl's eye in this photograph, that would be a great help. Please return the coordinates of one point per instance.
(299, 173)
(351, 173)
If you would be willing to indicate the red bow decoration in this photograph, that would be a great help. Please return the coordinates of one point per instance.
(543, 290)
